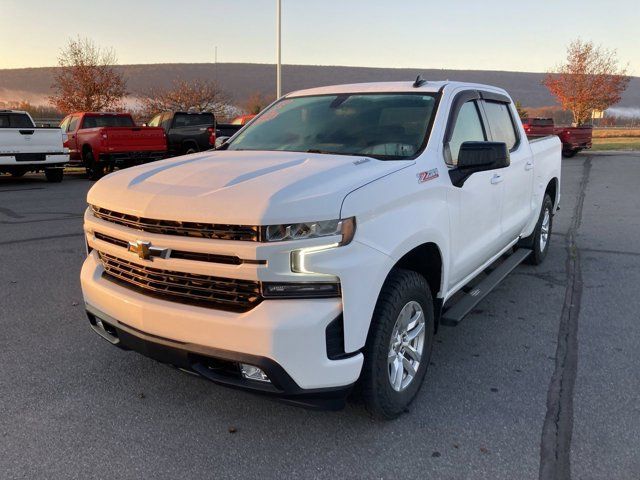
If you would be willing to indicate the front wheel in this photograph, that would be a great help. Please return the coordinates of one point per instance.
(399, 344)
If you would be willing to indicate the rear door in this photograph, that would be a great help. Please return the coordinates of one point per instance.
(475, 212)
(518, 176)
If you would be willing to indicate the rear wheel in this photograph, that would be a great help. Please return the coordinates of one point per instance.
(188, 149)
(54, 175)
(539, 240)
(95, 170)
(399, 344)
(571, 152)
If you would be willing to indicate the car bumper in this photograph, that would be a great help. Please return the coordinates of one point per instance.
(288, 337)
(132, 158)
(34, 160)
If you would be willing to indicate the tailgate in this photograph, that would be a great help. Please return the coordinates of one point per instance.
(135, 139)
(30, 140)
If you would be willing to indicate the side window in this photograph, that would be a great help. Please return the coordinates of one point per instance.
(155, 121)
(468, 128)
(73, 124)
(65, 124)
(501, 123)
(4, 121)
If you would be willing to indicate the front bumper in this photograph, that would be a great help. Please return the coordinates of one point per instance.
(287, 336)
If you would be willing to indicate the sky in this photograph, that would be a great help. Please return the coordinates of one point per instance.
(528, 36)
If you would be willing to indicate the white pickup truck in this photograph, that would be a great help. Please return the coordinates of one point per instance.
(26, 148)
(324, 243)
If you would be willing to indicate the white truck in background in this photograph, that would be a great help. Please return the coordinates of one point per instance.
(26, 148)
(323, 244)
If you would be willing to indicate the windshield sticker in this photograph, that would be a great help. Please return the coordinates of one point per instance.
(428, 175)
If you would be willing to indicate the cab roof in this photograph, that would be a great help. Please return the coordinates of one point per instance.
(390, 87)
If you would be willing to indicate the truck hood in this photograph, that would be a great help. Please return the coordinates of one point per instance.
(240, 187)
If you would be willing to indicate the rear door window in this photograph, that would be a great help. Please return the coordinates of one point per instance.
(501, 123)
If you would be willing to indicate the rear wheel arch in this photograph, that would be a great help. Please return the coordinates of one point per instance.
(552, 190)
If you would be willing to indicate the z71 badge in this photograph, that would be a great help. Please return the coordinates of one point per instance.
(428, 175)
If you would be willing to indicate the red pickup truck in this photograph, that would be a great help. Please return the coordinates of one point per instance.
(101, 141)
(573, 139)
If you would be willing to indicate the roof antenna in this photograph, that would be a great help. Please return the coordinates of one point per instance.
(419, 82)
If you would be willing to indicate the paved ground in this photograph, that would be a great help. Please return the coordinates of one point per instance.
(542, 379)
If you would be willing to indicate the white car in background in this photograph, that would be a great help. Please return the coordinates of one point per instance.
(26, 148)
(324, 243)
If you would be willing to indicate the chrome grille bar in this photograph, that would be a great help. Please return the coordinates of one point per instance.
(204, 290)
(249, 233)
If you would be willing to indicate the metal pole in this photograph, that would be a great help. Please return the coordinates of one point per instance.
(215, 55)
(278, 49)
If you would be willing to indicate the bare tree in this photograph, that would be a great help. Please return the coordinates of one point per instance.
(87, 79)
(199, 95)
(591, 79)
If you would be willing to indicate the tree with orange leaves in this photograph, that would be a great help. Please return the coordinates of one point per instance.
(591, 79)
(86, 80)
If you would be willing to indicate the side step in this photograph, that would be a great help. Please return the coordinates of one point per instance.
(453, 315)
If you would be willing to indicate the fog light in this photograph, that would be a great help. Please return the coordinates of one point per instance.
(253, 373)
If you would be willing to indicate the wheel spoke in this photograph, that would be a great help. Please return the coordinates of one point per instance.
(408, 367)
(412, 352)
(413, 334)
(392, 356)
(397, 380)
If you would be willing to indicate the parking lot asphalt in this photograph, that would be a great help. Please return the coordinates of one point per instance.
(541, 381)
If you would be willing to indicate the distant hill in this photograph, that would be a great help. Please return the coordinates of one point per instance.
(240, 80)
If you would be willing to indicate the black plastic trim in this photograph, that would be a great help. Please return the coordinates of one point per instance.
(198, 359)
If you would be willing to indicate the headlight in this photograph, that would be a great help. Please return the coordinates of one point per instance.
(301, 231)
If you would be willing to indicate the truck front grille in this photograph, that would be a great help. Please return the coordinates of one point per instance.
(248, 233)
(194, 289)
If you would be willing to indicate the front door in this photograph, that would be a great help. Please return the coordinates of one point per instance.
(476, 205)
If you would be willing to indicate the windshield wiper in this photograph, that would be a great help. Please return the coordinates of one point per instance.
(324, 152)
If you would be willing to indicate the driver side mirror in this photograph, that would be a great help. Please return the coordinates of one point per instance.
(221, 141)
(478, 157)
(483, 155)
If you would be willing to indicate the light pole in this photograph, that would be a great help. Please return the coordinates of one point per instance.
(278, 48)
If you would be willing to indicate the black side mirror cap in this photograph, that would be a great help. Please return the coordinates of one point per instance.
(478, 157)
(483, 155)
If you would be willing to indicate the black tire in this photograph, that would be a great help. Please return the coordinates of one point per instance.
(569, 153)
(380, 398)
(534, 241)
(95, 170)
(54, 175)
(189, 149)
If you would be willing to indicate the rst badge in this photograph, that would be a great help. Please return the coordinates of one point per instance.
(428, 175)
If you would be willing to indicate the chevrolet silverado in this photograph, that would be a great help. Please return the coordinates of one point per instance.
(325, 243)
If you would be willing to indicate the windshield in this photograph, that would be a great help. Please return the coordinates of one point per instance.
(385, 126)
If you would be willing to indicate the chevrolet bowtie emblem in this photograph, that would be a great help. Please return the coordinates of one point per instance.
(145, 251)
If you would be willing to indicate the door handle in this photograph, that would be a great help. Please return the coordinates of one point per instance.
(497, 178)
(528, 165)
